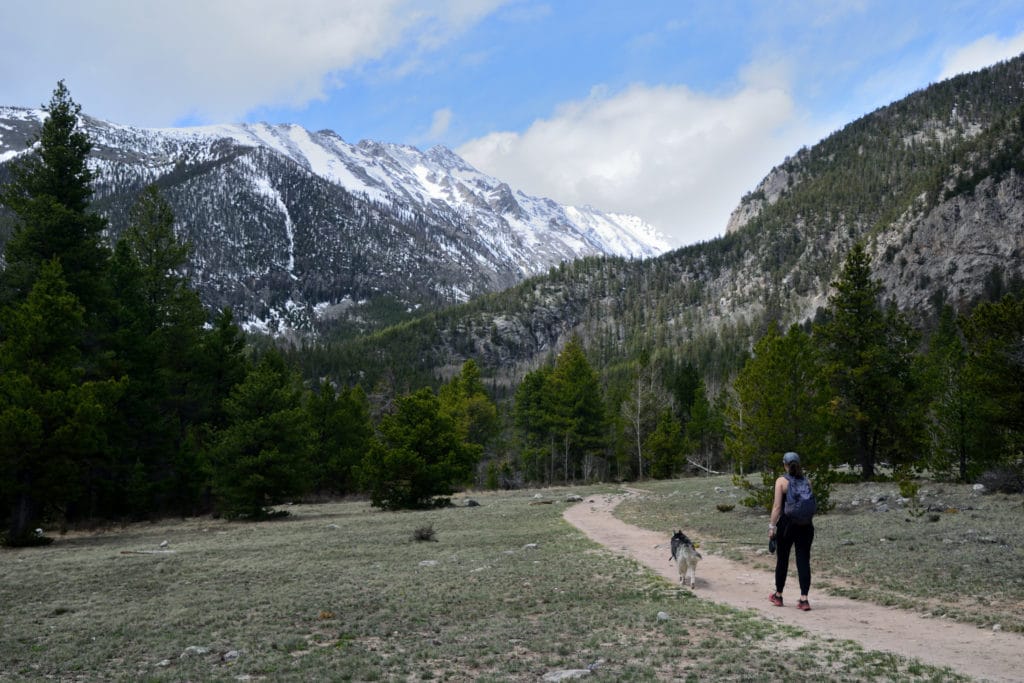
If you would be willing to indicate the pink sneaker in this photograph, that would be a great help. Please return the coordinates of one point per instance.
(804, 605)
(776, 599)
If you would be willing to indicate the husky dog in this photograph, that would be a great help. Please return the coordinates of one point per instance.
(686, 557)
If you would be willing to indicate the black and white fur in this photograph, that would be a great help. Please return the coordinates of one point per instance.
(686, 557)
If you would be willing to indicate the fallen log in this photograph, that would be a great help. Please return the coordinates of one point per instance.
(702, 467)
(147, 552)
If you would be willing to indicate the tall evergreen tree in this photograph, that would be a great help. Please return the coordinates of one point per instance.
(49, 193)
(868, 365)
(995, 340)
(705, 431)
(779, 403)
(54, 421)
(578, 411)
(960, 440)
(262, 456)
(682, 382)
(157, 337)
(342, 433)
(533, 417)
(419, 456)
(665, 446)
(222, 364)
(464, 399)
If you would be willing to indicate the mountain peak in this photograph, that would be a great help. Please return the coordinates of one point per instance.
(284, 219)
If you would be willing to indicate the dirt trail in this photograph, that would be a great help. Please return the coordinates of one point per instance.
(981, 654)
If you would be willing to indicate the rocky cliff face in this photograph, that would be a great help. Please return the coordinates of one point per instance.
(767, 192)
(955, 248)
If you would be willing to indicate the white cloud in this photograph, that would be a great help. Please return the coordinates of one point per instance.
(981, 53)
(151, 63)
(679, 158)
(439, 125)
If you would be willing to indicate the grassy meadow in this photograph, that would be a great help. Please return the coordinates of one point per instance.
(507, 591)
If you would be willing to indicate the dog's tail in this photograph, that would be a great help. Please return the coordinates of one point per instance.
(675, 543)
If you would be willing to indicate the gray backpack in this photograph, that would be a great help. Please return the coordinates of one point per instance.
(800, 502)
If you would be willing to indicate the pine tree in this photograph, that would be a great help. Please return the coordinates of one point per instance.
(996, 374)
(665, 446)
(419, 457)
(780, 404)
(705, 431)
(868, 366)
(157, 336)
(464, 399)
(262, 457)
(223, 366)
(578, 412)
(960, 440)
(533, 417)
(54, 422)
(49, 193)
(342, 432)
(682, 381)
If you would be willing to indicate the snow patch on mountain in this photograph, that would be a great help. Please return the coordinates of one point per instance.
(401, 174)
(265, 188)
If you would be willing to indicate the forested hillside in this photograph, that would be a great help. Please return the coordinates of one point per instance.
(931, 184)
(932, 190)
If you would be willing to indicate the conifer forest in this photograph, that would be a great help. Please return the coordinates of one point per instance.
(124, 397)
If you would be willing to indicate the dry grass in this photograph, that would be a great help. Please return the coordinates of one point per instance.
(955, 552)
(339, 591)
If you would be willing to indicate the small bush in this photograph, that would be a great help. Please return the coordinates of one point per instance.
(27, 540)
(424, 533)
(1005, 479)
(762, 496)
(909, 488)
(725, 507)
(847, 477)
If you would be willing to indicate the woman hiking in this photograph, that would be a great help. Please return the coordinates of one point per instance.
(791, 526)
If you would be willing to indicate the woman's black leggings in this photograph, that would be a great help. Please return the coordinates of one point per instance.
(802, 537)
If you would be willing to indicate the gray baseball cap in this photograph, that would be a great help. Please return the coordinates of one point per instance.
(790, 457)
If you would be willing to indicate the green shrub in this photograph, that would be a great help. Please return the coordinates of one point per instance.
(763, 496)
(758, 496)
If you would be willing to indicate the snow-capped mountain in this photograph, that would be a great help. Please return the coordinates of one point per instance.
(291, 223)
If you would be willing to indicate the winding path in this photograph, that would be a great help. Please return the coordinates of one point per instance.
(967, 649)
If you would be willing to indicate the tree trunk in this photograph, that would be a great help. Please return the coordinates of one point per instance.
(551, 461)
(865, 454)
(24, 513)
(565, 459)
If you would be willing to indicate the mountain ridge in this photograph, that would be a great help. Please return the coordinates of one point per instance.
(316, 209)
(933, 185)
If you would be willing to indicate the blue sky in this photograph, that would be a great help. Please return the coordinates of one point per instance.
(669, 110)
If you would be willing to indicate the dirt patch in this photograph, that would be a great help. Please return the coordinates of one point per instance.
(981, 654)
